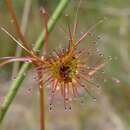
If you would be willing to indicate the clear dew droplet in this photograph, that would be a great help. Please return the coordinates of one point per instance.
(82, 102)
(103, 71)
(67, 108)
(101, 55)
(82, 85)
(98, 86)
(104, 80)
(116, 80)
(94, 99)
(29, 90)
(98, 37)
(70, 108)
(97, 50)
(94, 42)
(50, 107)
(34, 77)
(110, 58)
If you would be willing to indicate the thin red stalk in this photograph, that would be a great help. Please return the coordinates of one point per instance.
(63, 90)
(54, 87)
(74, 87)
(66, 98)
(68, 90)
(8, 60)
(15, 40)
(42, 107)
(53, 90)
(76, 19)
(85, 88)
(89, 31)
(73, 90)
(62, 93)
(94, 70)
(16, 24)
(45, 19)
(71, 42)
(24, 24)
(20, 44)
(87, 80)
(24, 43)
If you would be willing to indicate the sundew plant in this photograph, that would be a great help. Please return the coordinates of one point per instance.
(67, 70)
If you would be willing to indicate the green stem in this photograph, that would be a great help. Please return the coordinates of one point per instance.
(21, 75)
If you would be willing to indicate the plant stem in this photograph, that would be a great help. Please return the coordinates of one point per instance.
(21, 75)
(41, 92)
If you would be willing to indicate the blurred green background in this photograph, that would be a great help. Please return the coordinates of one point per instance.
(111, 111)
